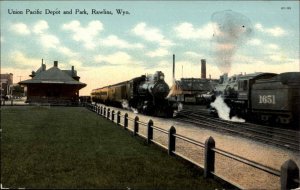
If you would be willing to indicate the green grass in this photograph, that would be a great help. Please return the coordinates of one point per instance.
(59, 147)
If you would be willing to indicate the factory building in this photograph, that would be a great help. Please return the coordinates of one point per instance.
(191, 90)
(53, 86)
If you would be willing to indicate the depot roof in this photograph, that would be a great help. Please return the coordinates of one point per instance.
(52, 76)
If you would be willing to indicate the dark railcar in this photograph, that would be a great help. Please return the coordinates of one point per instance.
(270, 97)
(278, 98)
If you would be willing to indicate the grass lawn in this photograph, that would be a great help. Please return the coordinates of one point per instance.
(71, 147)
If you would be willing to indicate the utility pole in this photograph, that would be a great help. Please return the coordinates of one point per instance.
(20, 78)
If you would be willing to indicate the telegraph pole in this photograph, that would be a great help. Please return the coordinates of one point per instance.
(20, 78)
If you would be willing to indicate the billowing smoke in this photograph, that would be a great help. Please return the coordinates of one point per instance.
(134, 110)
(125, 105)
(224, 110)
(180, 107)
(231, 30)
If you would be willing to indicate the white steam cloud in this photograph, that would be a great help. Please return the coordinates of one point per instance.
(125, 105)
(224, 110)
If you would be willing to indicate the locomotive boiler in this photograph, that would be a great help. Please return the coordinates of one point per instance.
(274, 98)
(147, 94)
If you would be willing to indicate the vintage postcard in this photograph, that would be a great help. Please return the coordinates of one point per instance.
(178, 63)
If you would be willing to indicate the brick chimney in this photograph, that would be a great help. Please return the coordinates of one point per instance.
(55, 63)
(203, 68)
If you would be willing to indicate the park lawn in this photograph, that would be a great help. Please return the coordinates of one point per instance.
(72, 147)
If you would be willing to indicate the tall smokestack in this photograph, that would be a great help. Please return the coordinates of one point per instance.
(173, 68)
(203, 68)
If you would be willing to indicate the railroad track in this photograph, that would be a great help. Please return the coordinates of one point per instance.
(283, 138)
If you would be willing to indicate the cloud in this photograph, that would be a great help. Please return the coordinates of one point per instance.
(118, 58)
(151, 34)
(20, 29)
(78, 65)
(275, 31)
(49, 41)
(194, 55)
(272, 46)
(40, 27)
(189, 31)
(21, 60)
(86, 34)
(254, 42)
(281, 58)
(66, 51)
(160, 52)
(115, 41)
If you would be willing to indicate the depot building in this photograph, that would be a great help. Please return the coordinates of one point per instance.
(53, 86)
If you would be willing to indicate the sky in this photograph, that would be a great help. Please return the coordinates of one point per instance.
(112, 41)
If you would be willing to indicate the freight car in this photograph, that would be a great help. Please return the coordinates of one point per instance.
(147, 94)
(262, 96)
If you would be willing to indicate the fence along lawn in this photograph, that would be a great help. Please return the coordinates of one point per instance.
(71, 147)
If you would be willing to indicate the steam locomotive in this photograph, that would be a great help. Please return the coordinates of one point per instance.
(147, 94)
(274, 98)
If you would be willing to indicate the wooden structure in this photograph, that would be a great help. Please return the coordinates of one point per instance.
(53, 86)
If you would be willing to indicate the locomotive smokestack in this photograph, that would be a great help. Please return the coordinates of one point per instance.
(173, 68)
(203, 68)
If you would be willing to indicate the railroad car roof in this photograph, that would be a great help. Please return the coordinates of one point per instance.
(256, 75)
(284, 77)
(120, 83)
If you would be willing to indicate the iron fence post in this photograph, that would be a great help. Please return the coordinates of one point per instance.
(289, 173)
(108, 113)
(172, 138)
(118, 117)
(126, 121)
(209, 158)
(149, 131)
(104, 112)
(113, 115)
(136, 125)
